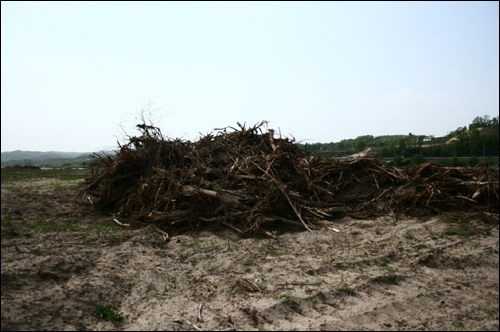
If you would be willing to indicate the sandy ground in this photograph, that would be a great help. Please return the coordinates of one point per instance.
(59, 264)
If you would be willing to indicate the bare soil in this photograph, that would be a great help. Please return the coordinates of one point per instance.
(59, 263)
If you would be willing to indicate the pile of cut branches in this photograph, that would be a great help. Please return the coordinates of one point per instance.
(248, 180)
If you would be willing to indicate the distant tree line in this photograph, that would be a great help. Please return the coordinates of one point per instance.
(480, 139)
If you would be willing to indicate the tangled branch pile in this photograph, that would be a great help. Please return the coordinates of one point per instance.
(250, 181)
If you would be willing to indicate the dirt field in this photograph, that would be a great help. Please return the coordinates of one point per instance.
(60, 263)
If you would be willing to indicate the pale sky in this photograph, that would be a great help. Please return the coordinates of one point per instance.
(73, 72)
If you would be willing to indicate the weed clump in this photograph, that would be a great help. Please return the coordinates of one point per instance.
(346, 289)
(108, 314)
(465, 229)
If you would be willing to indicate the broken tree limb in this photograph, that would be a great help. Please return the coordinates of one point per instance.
(285, 220)
(190, 190)
(337, 209)
(295, 209)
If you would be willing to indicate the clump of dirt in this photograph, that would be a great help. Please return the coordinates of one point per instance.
(250, 181)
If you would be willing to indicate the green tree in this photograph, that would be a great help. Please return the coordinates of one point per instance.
(491, 142)
(417, 159)
(383, 152)
(494, 121)
(480, 121)
(360, 145)
(484, 121)
(461, 144)
(398, 161)
(473, 161)
(402, 146)
(475, 141)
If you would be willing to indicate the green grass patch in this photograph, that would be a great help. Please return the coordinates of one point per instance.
(43, 226)
(319, 283)
(205, 246)
(346, 289)
(7, 221)
(12, 174)
(282, 298)
(465, 229)
(385, 262)
(458, 324)
(491, 250)
(108, 314)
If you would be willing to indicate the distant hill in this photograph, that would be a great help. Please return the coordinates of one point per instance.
(35, 157)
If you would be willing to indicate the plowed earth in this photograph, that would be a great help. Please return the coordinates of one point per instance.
(59, 264)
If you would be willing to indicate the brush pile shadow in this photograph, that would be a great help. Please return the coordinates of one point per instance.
(248, 180)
